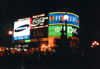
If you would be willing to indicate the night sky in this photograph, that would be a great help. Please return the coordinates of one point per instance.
(88, 11)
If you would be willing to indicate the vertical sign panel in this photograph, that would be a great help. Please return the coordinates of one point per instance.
(21, 30)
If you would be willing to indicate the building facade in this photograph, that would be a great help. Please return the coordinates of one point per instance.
(40, 32)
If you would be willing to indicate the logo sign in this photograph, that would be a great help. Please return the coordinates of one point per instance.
(21, 30)
(51, 18)
(55, 31)
(72, 30)
(39, 33)
(55, 18)
(39, 20)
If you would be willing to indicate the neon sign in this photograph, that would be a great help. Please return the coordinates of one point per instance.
(55, 30)
(55, 18)
(38, 21)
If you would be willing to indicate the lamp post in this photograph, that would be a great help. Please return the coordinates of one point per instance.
(64, 37)
(10, 39)
(66, 18)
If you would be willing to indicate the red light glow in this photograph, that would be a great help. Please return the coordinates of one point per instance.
(92, 46)
(92, 43)
(43, 46)
(95, 42)
(10, 32)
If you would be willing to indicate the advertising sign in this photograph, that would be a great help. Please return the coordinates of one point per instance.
(21, 30)
(55, 30)
(55, 18)
(39, 20)
(39, 33)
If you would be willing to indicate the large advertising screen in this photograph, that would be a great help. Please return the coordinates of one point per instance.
(37, 32)
(55, 30)
(21, 30)
(39, 20)
(55, 18)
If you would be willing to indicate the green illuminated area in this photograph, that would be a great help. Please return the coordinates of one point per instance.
(27, 41)
(55, 30)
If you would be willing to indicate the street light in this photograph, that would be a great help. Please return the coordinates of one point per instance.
(10, 41)
(92, 43)
(95, 43)
(43, 46)
(66, 18)
(10, 32)
(91, 46)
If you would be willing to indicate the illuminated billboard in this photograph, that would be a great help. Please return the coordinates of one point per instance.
(37, 32)
(55, 30)
(55, 18)
(21, 30)
(39, 20)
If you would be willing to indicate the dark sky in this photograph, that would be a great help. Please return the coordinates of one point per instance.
(88, 11)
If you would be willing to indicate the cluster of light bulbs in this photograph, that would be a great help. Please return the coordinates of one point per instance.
(94, 43)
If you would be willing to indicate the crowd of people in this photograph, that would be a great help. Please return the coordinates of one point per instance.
(59, 57)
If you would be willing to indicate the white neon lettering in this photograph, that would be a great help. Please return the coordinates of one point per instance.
(38, 15)
(38, 21)
(72, 30)
(75, 31)
(69, 30)
(70, 18)
(58, 18)
(24, 19)
(21, 28)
